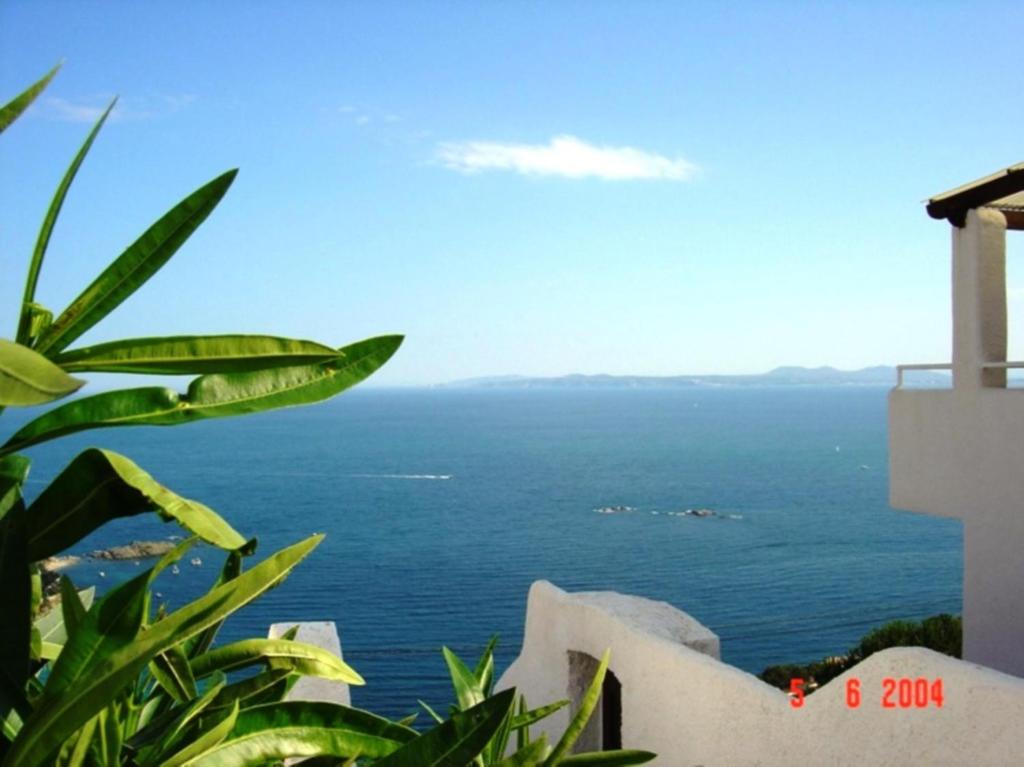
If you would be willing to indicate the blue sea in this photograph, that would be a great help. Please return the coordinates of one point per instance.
(442, 506)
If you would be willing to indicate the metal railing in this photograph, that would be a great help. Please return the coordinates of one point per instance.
(900, 369)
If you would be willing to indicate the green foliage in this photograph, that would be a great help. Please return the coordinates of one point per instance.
(474, 694)
(105, 682)
(942, 633)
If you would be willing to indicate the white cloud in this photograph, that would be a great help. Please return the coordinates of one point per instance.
(566, 156)
(89, 110)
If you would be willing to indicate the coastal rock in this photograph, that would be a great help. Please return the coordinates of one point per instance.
(134, 550)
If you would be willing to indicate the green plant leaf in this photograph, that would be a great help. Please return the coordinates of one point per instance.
(278, 654)
(62, 711)
(202, 641)
(75, 749)
(211, 396)
(129, 271)
(484, 670)
(43, 240)
(458, 741)
(162, 732)
(172, 672)
(247, 689)
(213, 730)
(15, 601)
(526, 718)
(13, 472)
(28, 378)
(582, 716)
(622, 758)
(467, 686)
(302, 728)
(529, 755)
(179, 355)
(433, 714)
(100, 485)
(10, 111)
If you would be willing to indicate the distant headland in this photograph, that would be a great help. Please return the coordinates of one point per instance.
(879, 375)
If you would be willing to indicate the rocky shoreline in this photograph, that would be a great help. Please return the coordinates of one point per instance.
(133, 550)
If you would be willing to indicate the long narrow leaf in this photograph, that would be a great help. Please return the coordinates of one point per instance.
(28, 378)
(212, 735)
(302, 729)
(13, 472)
(211, 396)
(457, 741)
(180, 355)
(43, 240)
(172, 672)
(100, 485)
(244, 691)
(135, 266)
(277, 654)
(621, 758)
(15, 600)
(582, 716)
(467, 686)
(529, 755)
(59, 715)
(9, 112)
(526, 718)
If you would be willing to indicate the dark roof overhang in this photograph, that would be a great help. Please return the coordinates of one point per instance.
(1003, 191)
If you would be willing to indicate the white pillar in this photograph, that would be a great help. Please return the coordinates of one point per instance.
(979, 299)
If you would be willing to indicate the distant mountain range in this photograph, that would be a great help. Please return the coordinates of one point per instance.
(880, 375)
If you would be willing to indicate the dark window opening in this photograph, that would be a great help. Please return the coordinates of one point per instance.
(604, 730)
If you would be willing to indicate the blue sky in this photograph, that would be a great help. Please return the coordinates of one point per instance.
(534, 188)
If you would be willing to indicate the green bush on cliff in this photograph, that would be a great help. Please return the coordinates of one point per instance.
(942, 633)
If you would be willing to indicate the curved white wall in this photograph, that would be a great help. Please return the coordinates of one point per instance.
(682, 703)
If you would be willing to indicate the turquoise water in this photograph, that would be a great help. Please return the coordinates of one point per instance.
(442, 506)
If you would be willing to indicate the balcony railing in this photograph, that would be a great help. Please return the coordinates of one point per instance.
(900, 369)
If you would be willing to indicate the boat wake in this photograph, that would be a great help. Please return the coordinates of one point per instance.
(401, 476)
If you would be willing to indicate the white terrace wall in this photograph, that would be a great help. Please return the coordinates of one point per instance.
(681, 702)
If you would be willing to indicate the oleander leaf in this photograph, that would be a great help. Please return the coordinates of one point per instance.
(298, 729)
(180, 355)
(458, 741)
(13, 473)
(60, 712)
(467, 686)
(129, 271)
(101, 485)
(28, 378)
(619, 758)
(211, 396)
(276, 654)
(173, 673)
(10, 111)
(43, 240)
(15, 602)
(529, 755)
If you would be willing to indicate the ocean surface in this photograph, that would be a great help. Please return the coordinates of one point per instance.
(442, 506)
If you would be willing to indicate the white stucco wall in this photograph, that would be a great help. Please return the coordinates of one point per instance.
(959, 453)
(691, 709)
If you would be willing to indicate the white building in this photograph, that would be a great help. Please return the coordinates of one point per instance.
(960, 452)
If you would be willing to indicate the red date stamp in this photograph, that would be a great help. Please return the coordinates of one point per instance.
(896, 693)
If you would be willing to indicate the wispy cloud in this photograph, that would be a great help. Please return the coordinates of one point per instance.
(88, 110)
(566, 156)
